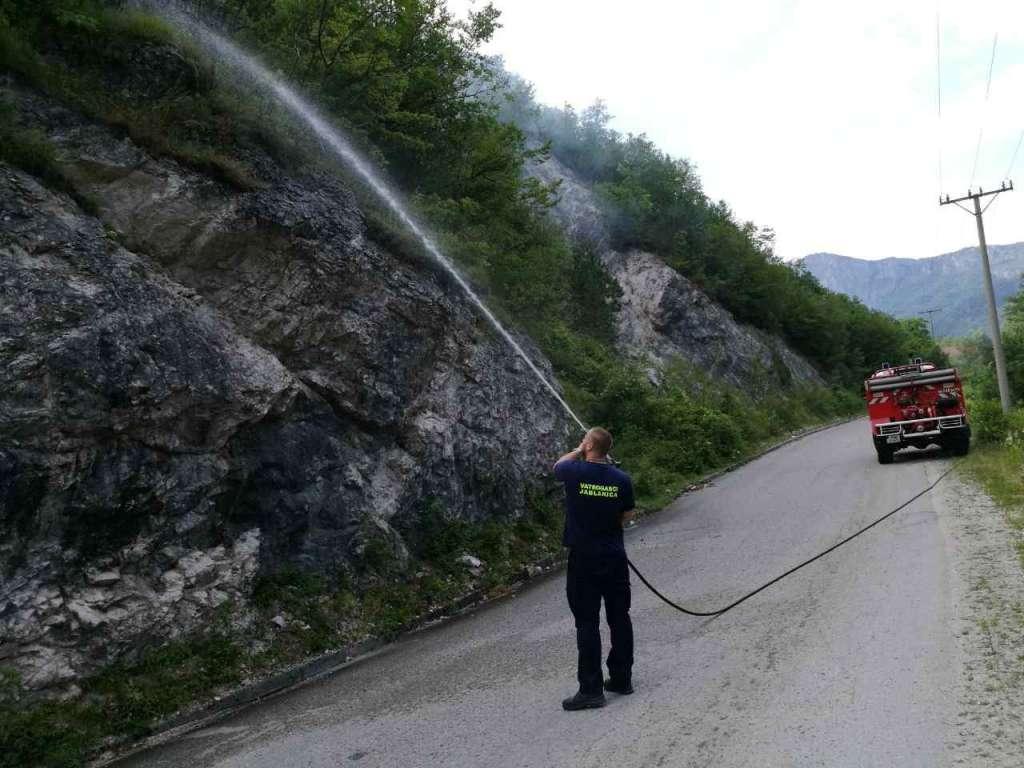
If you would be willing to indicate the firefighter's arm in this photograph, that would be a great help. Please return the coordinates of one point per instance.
(573, 455)
(628, 503)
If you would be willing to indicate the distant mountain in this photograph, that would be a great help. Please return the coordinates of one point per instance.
(905, 287)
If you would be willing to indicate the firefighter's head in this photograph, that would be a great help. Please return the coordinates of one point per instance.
(597, 443)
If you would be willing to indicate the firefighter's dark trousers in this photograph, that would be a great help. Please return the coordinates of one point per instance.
(591, 578)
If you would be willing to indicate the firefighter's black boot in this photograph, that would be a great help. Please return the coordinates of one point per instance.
(621, 686)
(584, 701)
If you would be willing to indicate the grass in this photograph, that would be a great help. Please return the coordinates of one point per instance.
(998, 469)
(201, 124)
(136, 26)
(48, 734)
(27, 149)
(124, 701)
(31, 151)
(18, 56)
(132, 696)
(997, 465)
(997, 462)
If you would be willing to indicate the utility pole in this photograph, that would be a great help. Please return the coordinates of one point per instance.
(931, 320)
(993, 313)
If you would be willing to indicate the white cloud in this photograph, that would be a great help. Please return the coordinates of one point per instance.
(816, 118)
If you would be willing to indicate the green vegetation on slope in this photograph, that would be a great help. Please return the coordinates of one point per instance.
(655, 202)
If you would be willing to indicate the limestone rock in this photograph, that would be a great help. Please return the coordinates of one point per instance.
(199, 384)
(103, 578)
(663, 316)
(470, 562)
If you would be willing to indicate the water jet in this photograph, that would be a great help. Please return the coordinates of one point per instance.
(334, 140)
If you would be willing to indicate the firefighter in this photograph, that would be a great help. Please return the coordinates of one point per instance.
(598, 501)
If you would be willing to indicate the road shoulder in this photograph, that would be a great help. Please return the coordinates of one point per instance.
(989, 615)
(281, 682)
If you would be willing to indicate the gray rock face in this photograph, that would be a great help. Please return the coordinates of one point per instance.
(197, 384)
(663, 316)
(577, 209)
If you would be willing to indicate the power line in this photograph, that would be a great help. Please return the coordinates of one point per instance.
(988, 90)
(991, 64)
(938, 92)
(1013, 160)
(938, 66)
(977, 153)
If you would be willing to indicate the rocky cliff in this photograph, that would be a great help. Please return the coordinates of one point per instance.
(202, 382)
(663, 316)
(199, 383)
(951, 283)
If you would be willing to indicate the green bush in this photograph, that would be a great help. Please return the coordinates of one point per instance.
(167, 678)
(17, 55)
(989, 424)
(47, 734)
(134, 25)
(125, 700)
(27, 149)
(439, 538)
(1015, 428)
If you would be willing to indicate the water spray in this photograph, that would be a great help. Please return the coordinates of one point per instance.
(342, 147)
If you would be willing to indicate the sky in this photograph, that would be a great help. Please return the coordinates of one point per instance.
(818, 119)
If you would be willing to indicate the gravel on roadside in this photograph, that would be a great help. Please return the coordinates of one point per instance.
(989, 608)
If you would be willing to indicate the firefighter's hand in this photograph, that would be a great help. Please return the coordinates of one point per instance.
(627, 516)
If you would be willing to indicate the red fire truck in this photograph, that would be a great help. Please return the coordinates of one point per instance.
(916, 405)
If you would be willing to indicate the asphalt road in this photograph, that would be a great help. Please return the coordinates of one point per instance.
(850, 662)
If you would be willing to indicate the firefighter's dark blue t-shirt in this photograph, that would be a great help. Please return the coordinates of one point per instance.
(596, 495)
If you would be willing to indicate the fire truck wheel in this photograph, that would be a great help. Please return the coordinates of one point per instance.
(959, 445)
(884, 455)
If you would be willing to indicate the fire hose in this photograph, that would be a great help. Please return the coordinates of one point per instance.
(792, 570)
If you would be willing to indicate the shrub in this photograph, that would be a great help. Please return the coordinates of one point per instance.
(1015, 428)
(989, 424)
(27, 149)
